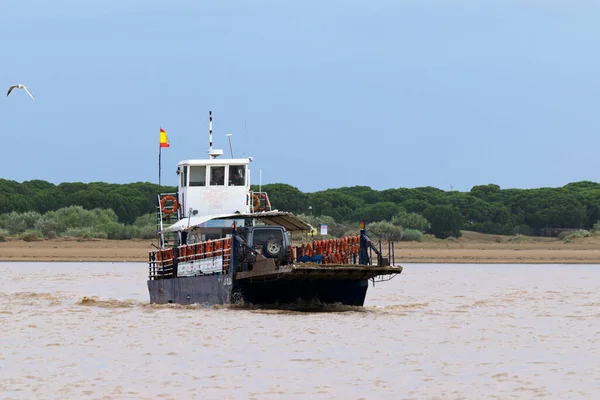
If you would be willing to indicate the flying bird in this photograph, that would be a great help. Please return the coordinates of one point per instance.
(19, 87)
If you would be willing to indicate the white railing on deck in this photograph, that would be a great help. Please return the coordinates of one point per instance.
(163, 262)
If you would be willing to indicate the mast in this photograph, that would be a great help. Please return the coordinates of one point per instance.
(209, 132)
(216, 152)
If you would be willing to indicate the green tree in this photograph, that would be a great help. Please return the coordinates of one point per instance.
(383, 211)
(285, 197)
(486, 192)
(444, 220)
(335, 203)
(415, 206)
(410, 221)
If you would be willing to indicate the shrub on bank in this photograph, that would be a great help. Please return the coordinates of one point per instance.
(31, 235)
(412, 235)
(384, 230)
(74, 221)
(569, 236)
(410, 221)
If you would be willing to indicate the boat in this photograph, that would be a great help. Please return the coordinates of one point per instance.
(220, 242)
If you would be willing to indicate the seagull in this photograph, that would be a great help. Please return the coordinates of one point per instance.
(19, 87)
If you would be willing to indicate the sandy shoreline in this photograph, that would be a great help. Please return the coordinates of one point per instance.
(472, 248)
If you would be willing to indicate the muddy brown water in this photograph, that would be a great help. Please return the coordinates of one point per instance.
(86, 330)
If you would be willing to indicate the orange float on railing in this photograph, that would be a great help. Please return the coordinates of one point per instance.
(192, 252)
(220, 248)
(309, 250)
(183, 252)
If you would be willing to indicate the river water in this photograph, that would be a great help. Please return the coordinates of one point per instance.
(86, 330)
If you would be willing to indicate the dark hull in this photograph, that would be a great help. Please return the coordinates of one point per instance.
(206, 289)
(283, 291)
(216, 289)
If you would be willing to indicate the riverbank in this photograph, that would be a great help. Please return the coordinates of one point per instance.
(471, 248)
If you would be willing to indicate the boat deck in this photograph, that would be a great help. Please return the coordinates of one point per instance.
(301, 271)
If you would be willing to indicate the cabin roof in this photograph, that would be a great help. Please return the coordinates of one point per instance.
(288, 220)
(216, 161)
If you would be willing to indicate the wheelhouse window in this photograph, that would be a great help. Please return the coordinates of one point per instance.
(183, 176)
(237, 175)
(198, 175)
(217, 176)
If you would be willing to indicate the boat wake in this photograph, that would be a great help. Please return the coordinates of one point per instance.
(109, 303)
(301, 306)
(314, 306)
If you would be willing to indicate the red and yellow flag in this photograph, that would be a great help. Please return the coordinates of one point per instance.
(164, 140)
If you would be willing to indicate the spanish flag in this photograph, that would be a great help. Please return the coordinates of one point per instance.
(164, 140)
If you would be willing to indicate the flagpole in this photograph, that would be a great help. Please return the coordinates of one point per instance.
(159, 154)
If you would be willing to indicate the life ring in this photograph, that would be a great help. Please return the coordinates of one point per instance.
(168, 210)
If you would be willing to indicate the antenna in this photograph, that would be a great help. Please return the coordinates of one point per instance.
(230, 148)
(244, 138)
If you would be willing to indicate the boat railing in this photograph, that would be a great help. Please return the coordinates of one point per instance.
(381, 253)
(328, 251)
(203, 258)
(345, 250)
(168, 212)
(161, 264)
(259, 202)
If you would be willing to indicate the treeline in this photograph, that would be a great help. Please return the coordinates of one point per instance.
(128, 201)
(485, 208)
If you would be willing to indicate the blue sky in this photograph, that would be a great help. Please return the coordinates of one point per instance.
(321, 94)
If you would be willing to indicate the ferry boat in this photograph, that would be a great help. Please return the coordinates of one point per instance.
(220, 242)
